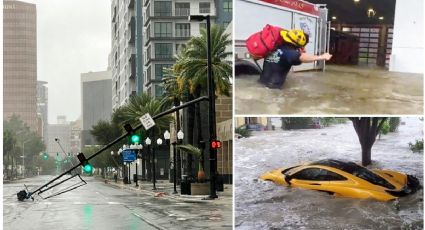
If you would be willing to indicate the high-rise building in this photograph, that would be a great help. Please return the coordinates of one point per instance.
(167, 29)
(20, 62)
(123, 52)
(42, 106)
(96, 102)
(60, 132)
(75, 142)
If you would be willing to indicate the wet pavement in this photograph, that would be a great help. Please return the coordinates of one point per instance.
(264, 205)
(107, 206)
(338, 90)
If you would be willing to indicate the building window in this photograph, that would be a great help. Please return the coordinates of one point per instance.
(163, 50)
(158, 91)
(148, 74)
(162, 8)
(149, 54)
(163, 29)
(227, 6)
(182, 29)
(182, 9)
(160, 70)
(204, 7)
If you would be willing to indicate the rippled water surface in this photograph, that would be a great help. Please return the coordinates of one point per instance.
(338, 90)
(264, 205)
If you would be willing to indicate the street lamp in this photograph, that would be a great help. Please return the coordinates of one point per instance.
(211, 103)
(23, 157)
(138, 147)
(180, 136)
(148, 142)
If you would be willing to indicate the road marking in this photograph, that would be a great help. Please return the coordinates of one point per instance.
(110, 202)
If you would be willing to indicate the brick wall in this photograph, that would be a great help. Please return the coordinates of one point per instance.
(223, 108)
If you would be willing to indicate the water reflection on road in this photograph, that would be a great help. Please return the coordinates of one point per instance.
(339, 90)
(264, 205)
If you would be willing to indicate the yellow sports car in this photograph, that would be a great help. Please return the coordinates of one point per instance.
(346, 179)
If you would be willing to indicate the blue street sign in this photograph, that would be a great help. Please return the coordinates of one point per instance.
(129, 155)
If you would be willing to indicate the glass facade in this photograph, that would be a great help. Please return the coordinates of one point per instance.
(160, 70)
(163, 50)
(20, 62)
(163, 29)
(162, 8)
(182, 29)
(182, 8)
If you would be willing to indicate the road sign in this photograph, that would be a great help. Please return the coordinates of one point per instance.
(147, 121)
(129, 155)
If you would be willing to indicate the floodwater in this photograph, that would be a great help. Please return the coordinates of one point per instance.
(338, 90)
(265, 205)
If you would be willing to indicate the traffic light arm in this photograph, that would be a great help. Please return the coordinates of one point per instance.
(172, 110)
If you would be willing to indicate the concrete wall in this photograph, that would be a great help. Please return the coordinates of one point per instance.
(408, 42)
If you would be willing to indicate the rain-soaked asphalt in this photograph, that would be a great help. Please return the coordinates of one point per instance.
(264, 205)
(338, 90)
(100, 206)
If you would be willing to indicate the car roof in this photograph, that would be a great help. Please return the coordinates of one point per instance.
(349, 167)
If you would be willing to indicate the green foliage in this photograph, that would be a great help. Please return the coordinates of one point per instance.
(192, 150)
(243, 131)
(104, 132)
(48, 167)
(297, 122)
(17, 137)
(385, 128)
(190, 69)
(328, 121)
(394, 122)
(418, 146)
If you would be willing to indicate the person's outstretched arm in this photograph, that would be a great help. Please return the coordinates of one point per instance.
(311, 58)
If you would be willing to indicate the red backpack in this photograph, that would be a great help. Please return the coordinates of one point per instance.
(262, 43)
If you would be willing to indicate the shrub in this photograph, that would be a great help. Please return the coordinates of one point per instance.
(418, 146)
(243, 131)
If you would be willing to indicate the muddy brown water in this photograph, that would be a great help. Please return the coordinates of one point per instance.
(338, 90)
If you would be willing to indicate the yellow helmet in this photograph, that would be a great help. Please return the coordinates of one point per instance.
(295, 37)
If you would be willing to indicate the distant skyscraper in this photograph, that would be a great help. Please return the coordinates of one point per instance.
(76, 128)
(96, 101)
(62, 131)
(42, 106)
(20, 62)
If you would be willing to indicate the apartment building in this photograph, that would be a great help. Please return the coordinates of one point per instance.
(167, 29)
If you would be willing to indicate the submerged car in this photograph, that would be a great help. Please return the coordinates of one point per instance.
(346, 179)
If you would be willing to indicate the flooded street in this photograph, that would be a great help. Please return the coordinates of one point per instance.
(264, 205)
(339, 90)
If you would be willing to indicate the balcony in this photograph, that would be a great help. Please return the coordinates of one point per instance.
(170, 39)
(132, 66)
(132, 25)
(130, 4)
(182, 12)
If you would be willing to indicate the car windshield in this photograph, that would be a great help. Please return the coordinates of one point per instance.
(356, 170)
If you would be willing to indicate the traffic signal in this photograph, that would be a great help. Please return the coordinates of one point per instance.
(85, 163)
(135, 139)
(215, 144)
(45, 156)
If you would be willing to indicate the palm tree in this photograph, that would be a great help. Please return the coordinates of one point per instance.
(191, 71)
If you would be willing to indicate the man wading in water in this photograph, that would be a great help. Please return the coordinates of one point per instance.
(278, 63)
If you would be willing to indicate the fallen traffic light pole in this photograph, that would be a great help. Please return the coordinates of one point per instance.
(25, 194)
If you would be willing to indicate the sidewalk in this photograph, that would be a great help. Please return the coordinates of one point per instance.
(165, 189)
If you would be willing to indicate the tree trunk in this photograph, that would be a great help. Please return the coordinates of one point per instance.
(367, 129)
(366, 155)
(191, 124)
(200, 140)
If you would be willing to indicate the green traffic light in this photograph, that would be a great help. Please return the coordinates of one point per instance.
(88, 168)
(135, 138)
(45, 156)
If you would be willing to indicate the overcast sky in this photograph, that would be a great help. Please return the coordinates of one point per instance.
(73, 38)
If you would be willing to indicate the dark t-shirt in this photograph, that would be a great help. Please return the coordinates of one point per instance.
(277, 65)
